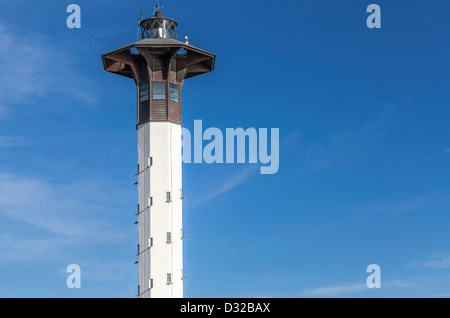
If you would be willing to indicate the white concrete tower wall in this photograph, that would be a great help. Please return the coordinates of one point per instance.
(160, 256)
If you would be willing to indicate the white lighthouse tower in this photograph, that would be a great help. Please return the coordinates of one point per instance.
(159, 68)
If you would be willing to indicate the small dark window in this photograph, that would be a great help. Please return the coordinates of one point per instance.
(150, 242)
(159, 90)
(169, 278)
(168, 197)
(173, 92)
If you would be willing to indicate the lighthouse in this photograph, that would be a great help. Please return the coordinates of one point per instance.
(159, 64)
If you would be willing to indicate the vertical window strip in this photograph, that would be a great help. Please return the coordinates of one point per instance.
(173, 92)
(143, 92)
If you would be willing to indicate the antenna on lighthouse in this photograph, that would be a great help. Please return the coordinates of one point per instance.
(139, 25)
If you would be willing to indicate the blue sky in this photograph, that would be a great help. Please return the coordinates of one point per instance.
(364, 172)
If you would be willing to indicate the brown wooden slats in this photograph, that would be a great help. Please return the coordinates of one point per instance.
(174, 112)
(173, 71)
(173, 77)
(173, 65)
(144, 112)
(159, 68)
(116, 67)
(158, 110)
(108, 63)
(198, 68)
(129, 60)
(143, 70)
(191, 58)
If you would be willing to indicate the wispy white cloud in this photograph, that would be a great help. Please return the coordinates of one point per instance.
(426, 202)
(437, 261)
(9, 141)
(349, 289)
(32, 67)
(335, 290)
(38, 217)
(438, 154)
(70, 211)
(106, 271)
(348, 145)
(14, 247)
(227, 184)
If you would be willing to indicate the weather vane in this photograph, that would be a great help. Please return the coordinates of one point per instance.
(158, 7)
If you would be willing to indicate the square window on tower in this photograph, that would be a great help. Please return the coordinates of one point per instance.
(168, 197)
(169, 278)
(169, 237)
(158, 90)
